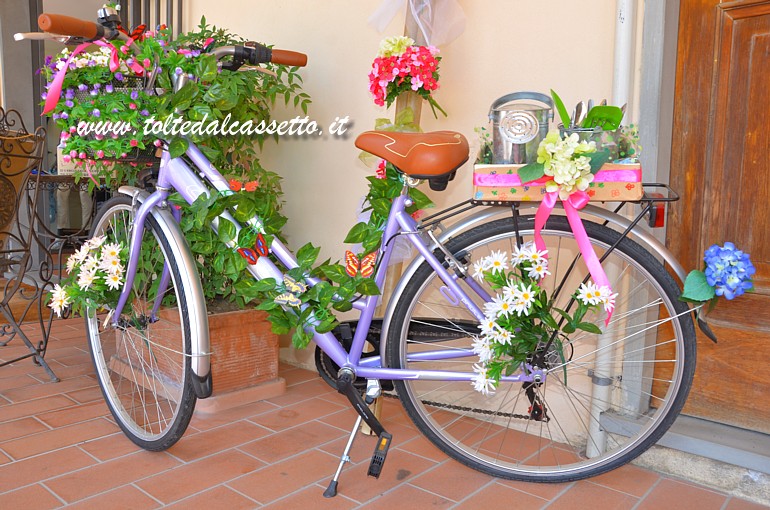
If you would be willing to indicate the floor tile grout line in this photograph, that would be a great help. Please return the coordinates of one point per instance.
(98, 418)
(44, 486)
(468, 496)
(548, 503)
(647, 493)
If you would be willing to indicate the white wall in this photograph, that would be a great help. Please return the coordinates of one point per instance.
(507, 46)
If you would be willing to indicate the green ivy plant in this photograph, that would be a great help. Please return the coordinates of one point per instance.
(384, 189)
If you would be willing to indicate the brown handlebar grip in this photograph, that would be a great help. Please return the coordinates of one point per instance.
(289, 58)
(66, 25)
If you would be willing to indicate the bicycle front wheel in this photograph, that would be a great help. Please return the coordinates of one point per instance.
(143, 365)
(605, 399)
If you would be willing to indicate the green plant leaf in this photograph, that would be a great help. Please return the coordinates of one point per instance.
(590, 327)
(357, 233)
(598, 159)
(226, 231)
(307, 255)
(561, 109)
(531, 172)
(696, 288)
(335, 273)
(177, 147)
(368, 287)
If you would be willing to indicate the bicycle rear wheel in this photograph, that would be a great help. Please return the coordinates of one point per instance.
(606, 398)
(143, 365)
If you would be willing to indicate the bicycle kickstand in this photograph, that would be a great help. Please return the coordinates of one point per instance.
(373, 390)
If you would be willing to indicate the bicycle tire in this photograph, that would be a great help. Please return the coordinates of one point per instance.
(580, 430)
(144, 366)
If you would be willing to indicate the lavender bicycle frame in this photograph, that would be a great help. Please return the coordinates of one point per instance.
(176, 174)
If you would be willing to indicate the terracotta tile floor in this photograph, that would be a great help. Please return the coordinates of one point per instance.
(59, 448)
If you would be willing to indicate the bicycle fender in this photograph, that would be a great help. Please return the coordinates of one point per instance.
(643, 237)
(199, 323)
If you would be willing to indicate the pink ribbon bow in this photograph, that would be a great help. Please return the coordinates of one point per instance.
(572, 205)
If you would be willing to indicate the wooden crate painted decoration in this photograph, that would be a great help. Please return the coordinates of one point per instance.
(615, 182)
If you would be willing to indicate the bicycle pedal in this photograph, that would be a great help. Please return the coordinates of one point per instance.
(380, 452)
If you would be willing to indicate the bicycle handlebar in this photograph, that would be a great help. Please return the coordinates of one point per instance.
(256, 54)
(67, 25)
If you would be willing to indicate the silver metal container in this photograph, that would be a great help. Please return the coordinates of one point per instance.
(519, 123)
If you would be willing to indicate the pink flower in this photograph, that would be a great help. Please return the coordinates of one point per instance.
(64, 135)
(73, 153)
(133, 142)
(73, 129)
(157, 143)
(132, 106)
(66, 158)
(100, 154)
(147, 63)
(380, 171)
(82, 155)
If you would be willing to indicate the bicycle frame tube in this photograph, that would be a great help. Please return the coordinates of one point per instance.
(176, 174)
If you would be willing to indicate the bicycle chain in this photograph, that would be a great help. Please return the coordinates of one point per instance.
(454, 407)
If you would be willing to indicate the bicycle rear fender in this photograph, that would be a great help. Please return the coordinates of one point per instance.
(647, 240)
(191, 287)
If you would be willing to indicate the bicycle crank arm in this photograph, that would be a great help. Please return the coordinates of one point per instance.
(345, 386)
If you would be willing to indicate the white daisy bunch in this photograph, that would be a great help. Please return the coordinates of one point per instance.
(592, 294)
(563, 160)
(95, 275)
(520, 319)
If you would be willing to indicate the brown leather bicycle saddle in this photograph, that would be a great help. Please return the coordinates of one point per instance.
(419, 155)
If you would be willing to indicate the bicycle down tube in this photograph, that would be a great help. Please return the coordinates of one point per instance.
(176, 174)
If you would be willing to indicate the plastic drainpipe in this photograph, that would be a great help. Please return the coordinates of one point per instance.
(621, 92)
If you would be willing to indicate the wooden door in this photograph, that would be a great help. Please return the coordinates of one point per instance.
(721, 165)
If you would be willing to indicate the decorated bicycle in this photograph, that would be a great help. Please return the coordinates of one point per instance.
(525, 344)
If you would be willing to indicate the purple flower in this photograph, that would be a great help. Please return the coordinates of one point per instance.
(48, 59)
(109, 88)
(69, 103)
(70, 94)
(97, 86)
(56, 116)
(728, 270)
(134, 95)
(43, 96)
(82, 87)
(162, 43)
(178, 71)
(196, 53)
(65, 115)
(73, 66)
(144, 113)
(91, 63)
(96, 113)
(93, 92)
(119, 76)
(115, 110)
(129, 61)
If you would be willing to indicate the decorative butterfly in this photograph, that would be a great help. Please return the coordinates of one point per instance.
(248, 186)
(260, 250)
(293, 290)
(137, 34)
(365, 266)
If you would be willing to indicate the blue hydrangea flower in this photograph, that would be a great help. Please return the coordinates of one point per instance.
(728, 270)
